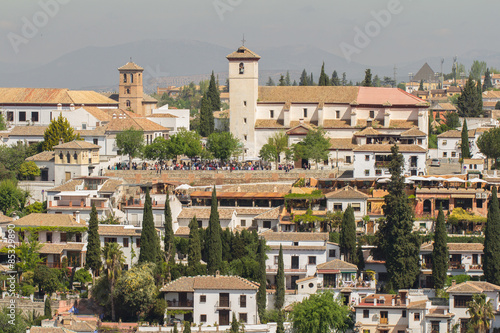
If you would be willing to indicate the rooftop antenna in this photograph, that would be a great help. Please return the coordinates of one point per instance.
(243, 40)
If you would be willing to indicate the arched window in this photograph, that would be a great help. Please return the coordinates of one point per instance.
(131, 78)
(128, 91)
(128, 103)
(75, 156)
(242, 68)
(68, 158)
(124, 78)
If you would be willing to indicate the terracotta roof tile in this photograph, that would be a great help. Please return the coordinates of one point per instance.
(55, 248)
(337, 264)
(308, 94)
(271, 214)
(39, 329)
(342, 144)
(111, 185)
(296, 236)
(455, 134)
(118, 125)
(163, 115)
(455, 247)
(204, 213)
(70, 185)
(414, 131)
(396, 123)
(131, 66)
(269, 123)
(52, 96)
(367, 131)
(387, 148)
(221, 282)
(77, 144)
(44, 156)
(243, 53)
(4, 218)
(118, 230)
(97, 113)
(336, 123)
(473, 287)
(298, 247)
(41, 220)
(182, 231)
(250, 211)
(98, 131)
(346, 192)
(28, 131)
(379, 96)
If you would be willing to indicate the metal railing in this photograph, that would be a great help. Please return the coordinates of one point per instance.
(180, 304)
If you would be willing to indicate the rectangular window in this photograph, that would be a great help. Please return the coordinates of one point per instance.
(22, 116)
(203, 298)
(49, 237)
(78, 237)
(243, 223)
(243, 301)
(64, 237)
(295, 243)
(125, 242)
(461, 301)
(337, 114)
(453, 154)
(445, 142)
(445, 154)
(110, 240)
(203, 318)
(84, 126)
(96, 141)
(245, 137)
(34, 116)
(10, 116)
(367, 173)
(267, 224)
(305, 113)
(479, 203)
(332, 253)
(348, 159)
(366, 313)
(416, 316)
(245, 103)
(138, 242)
(367, 157)
(337, 207)
(372, 114)
(403, 314)
(271, 114)
(420, 141)
(378, 172)
(312, 260)
(243, 318)
(356, 207)
(435, 326)
(276, 260)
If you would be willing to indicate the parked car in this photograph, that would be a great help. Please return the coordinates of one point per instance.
(435, 162)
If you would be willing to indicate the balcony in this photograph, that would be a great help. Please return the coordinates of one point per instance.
(53, 264)
(382, 164)
(456, 266)
(288, 269)
(349, 284)
(476, 267)
(180, 304)
(223, 305)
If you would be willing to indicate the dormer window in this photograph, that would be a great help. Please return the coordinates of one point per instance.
(242, 68)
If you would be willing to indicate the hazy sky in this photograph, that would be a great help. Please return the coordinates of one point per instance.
(412, 30)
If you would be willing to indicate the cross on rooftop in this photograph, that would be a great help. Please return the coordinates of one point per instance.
(243, 40)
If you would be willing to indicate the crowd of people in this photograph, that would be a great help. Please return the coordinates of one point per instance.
(199, 165)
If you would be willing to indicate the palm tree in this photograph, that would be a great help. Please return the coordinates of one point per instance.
(113, 263)
(480, 312)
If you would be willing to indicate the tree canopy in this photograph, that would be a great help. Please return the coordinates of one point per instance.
(489, 144)
(222, 145)
(59, 129)
(323, 78)
(314, 146)
(470, 102)
(130, 142)
(348, 235)
(367, 82)
(440, 252)
(491, 256)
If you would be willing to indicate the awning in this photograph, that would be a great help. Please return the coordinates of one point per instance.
(463, 196)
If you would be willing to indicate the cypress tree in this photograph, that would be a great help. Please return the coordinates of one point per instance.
(270, 82)
(206, 117)
(402, 245)
(213, 94)
(323, 78)
(279, 323)
(282, 81)
(47, 309)
(421, 86)
(150, 243)
(279, 296)
(470, 102)
(214, 238)
(487, 85)
(168, 241)
(262, 293)
(187, 327)
(311, 80)
(304, 80)
(288, 82)
(360, 258)
(465, 141)
(367, 82)
(491, 258)
(194, 251)
(235, 325)
(344, 79)
(175, 328)
(348, 235)
(440, 252)
(335, 81)
(93, 257)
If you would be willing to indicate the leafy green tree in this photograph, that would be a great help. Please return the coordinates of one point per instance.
(440, 252)
(335, 81)
(187, 327)
(47, 279)
(478, 69)
(213, 94)
(270, 82)
(344, 79)
(491, 257)
(8, 324)
(58, 129)
(136, 291)
(130, 142)
(168, 241)
(11, 197)
(481, 313)
(113, 264)
(452, 120)
(320, 313)
(190, 141)
(222, 145)
(3, 122)
(288, 82)
(367, 82)
(214, 244)
(194, 252)
(348, 235)
(304, 79)
(47, 309)
(465, 141)
(376, 81)
(315, 145)
(235, 325)
(421, 86)
(93, 257)
(470, 102)
(262, 293)
(488, 143)
(282, 81)
(206, 117)
(360, 259)
(323, 78)
(28, 253)
(402, 245)
(279, 296)
(157, 150)
(29, 170)
(276, 144)
(487, 84)
(150, 242)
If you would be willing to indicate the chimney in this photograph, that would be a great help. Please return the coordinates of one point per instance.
(77, 216)
(72, 107)
(374, 301)
(301, 120)
(59, 107)
(83, 105)
(393, 301)
(114, 115)
(61, 141)
(217, 273)
(369, 122)
(453, 283)
(15, 217)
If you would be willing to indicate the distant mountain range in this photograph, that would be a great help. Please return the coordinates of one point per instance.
(178, 62)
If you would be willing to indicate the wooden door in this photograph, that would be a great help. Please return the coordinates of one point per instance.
(223, 317)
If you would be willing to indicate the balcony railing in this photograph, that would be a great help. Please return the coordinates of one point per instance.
(382, 164)
(349, 284)
(456, 265)
(288, 268)
(476, 267)
(180, 304)
(53, 264)
(221, 305)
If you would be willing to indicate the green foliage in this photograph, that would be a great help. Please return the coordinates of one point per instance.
(487, 85)
(465, 239)
(83, 276)
(93, 257)
(214, 244)
(276, 144)
(47, 309)
(270, 82)
(323, 78)
(489, 144)
(262, 293)
(396, 240)
(29, 170)
(222, 145)
(421, 86)
(130, 142)
(150, 242)
(465, 141)
(334, 237)
(304, 79)
(481, 313)
(12, 198)
(320, 313)
(58, 129)
(136, 292)
(168, 241)
(440, 252)
(213, 94)
(459, 214)
(314, 146)
(36, 207)
(470, 102)
(367, 82)
(28, 253)
(491, 256)
(206, 117)
(235, 325)
(47, 279)
(348, 235)
(457, 278)
(12, 323)
(478, 69)
(360, 259)
(279, 323)
(3, 122)
(194, 252)
(187, 327)
(279, 296)
(113, 263)
(191, 142)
